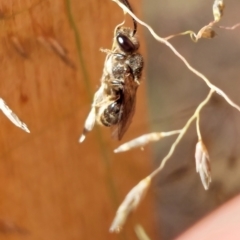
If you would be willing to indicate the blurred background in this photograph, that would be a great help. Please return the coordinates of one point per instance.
(173, 94)
(51, 186)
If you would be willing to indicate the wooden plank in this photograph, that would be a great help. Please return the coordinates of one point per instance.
(51, 186)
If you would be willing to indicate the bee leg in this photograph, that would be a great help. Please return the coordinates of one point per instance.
(119, 56)
(136, 81)
(107, 51)
(89, 124)
(117, 83)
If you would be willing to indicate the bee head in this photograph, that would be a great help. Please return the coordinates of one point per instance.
(126, 41)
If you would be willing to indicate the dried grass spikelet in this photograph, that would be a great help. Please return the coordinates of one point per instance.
(205, 32)
(203, 164)
(208, 32)
(139, 142)
(12, 116)
(130, 203)
(145, 139)
(218, 7)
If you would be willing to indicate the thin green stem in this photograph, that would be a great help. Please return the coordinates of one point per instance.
(79, 51)
(86, 79)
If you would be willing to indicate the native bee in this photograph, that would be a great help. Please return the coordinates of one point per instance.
(114, 102)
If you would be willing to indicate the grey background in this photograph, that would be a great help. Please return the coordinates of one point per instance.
(173, 95)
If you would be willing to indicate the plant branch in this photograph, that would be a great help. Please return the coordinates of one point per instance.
(180, 136)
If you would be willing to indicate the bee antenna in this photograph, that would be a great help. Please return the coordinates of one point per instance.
(127, 4)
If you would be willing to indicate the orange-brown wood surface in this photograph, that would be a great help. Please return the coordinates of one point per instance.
(52, 187)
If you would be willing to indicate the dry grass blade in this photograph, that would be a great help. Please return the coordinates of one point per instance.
(139, 142)
(230, 28)
(140, 232)
(12, 116)
(218, 7)
(130, 203)
(144, 140)
(203, 164)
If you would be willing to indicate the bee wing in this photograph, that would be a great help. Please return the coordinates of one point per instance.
(127, 107)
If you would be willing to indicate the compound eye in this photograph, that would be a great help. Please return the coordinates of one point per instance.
(125, 43)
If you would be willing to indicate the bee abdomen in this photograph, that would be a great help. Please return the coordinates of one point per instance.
(111, 114)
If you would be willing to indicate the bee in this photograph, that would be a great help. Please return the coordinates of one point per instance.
(114, 102)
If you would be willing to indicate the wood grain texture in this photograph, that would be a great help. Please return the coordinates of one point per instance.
(52, 187)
